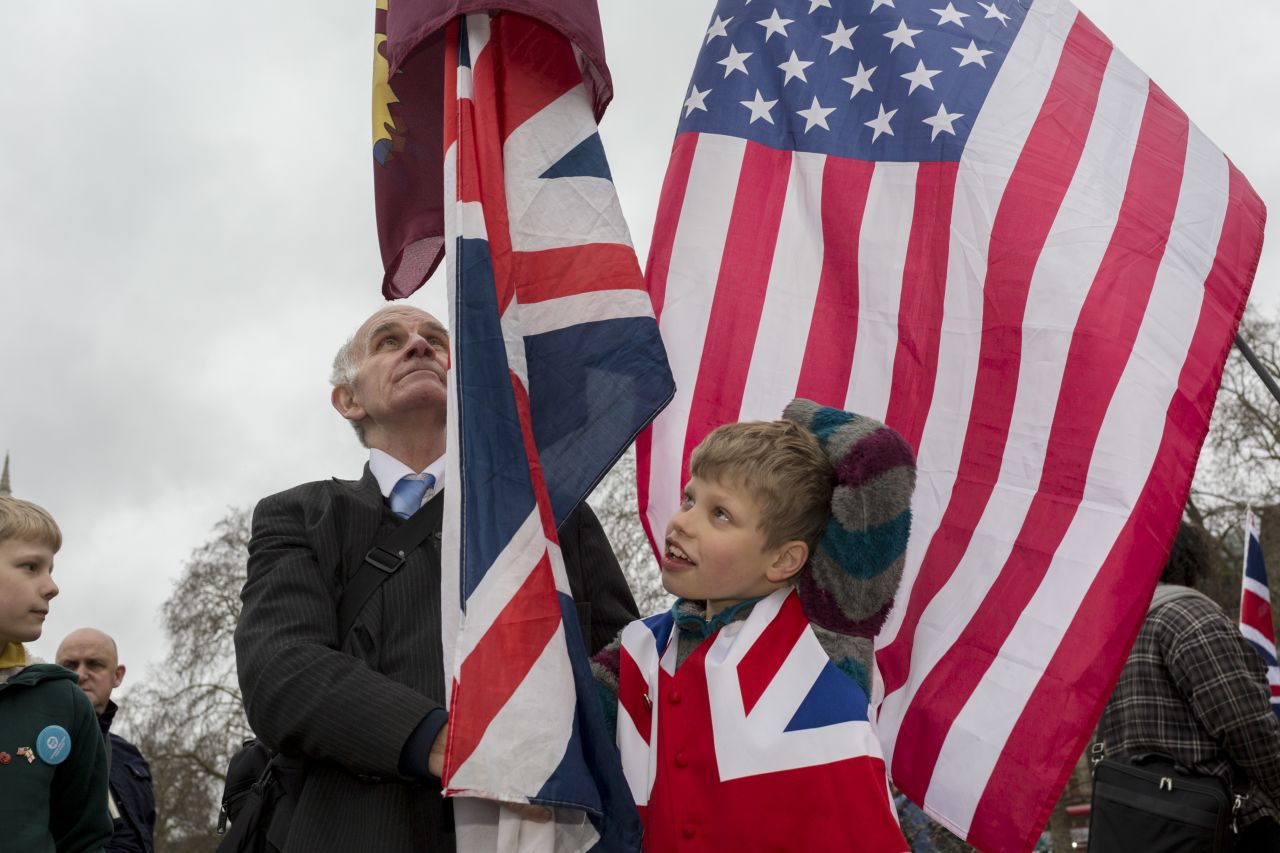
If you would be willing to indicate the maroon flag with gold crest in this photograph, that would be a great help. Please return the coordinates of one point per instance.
(408, 126)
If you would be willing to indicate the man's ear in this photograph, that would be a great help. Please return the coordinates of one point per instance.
(119, 676)
(791, 559)
(345, 402)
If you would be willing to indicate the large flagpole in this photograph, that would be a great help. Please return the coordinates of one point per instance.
(1258, 367)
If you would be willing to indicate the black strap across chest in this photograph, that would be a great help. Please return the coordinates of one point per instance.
(385, 558)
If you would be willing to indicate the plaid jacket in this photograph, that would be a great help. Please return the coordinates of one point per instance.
(1193, 688)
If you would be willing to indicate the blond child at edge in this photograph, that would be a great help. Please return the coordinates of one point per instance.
(742, 715)
(53, 764)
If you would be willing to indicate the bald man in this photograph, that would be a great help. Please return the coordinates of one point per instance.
(92, 655)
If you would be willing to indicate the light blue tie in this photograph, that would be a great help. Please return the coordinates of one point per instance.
(407, 494)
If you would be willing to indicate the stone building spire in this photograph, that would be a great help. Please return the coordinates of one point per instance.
(4, 477)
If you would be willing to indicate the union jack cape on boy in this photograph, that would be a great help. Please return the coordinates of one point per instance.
(556, 365)
(982, 224)
(757, 717)
(1255, 606)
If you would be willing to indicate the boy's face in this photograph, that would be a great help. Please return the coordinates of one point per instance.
(715, 548)
(26, 587)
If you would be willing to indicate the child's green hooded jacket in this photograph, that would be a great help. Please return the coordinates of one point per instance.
(44, 807)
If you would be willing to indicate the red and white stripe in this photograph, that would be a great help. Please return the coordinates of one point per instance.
(1045, 321)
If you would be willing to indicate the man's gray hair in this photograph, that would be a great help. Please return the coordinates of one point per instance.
(345, 366)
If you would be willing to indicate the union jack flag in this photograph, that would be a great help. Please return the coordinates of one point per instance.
(757, 742)
(982, 224)
(1255, 606)
(557, 364)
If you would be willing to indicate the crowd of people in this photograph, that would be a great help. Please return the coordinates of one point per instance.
(768, 551)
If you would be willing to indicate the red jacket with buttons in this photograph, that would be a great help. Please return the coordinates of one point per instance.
(793, 769)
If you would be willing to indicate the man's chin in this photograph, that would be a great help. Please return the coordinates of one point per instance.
(424, 398)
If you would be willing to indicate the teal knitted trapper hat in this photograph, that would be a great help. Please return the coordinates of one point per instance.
(848, 588)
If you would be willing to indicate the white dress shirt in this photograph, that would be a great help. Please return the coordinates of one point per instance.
(388, 471)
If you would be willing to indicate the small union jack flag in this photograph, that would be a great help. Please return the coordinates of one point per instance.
(1255, 606)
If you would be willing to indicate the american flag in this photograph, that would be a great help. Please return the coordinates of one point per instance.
(982, 224)
(1255, 606)
(773, 737)
(557, 364)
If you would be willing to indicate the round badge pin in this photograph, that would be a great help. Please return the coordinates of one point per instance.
(53, 744)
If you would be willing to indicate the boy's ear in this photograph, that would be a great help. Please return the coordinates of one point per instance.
(791, 559)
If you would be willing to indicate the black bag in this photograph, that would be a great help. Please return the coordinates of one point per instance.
(261, 790)
(243, 771)
(262, 787)
(1149, 803)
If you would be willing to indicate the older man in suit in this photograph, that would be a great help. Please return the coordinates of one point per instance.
(366, 711)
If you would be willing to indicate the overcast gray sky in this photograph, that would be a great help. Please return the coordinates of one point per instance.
(188, 234)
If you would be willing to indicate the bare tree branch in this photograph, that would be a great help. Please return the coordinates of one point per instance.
(614, 501)
(189, 718)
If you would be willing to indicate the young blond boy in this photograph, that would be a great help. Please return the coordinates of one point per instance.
(53, 764)
(742, 715)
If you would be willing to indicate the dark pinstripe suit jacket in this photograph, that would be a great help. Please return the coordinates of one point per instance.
(350, 710)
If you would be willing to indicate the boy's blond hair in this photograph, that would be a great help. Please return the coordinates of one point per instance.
(783, 467)
(28, 522)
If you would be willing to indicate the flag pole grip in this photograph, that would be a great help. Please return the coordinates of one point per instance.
(1258, 367)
